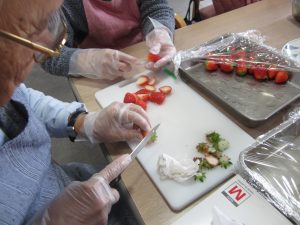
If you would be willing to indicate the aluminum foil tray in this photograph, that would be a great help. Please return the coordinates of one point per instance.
(250, 101)
(272, 167)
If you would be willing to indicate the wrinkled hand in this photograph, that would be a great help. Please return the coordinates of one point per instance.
(86, 202)
(117, 122)
(160, 42)
(100, 63)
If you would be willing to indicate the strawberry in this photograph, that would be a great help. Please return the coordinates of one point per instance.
(157, 97)
(142, 91)
(272, 71)
(226, 67)
(241, 69)
(143, 97)
(153, 57)
(144, 133)
(142, 80)
(165, 89)
(151, 81)
(210, 65)
(150, 88)
(281, 77)
(130, 98)
(260, 72)
(251, 65)
(141, 103)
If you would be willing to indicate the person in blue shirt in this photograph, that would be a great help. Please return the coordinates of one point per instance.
(33, 188)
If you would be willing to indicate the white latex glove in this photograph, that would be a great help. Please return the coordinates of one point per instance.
(160, 42)
(101, 63)
(117, 122)
(88, 202)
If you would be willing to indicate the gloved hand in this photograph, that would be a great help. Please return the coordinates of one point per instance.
(86, 202)
(160, 42)
(115, 123)
(101, 63)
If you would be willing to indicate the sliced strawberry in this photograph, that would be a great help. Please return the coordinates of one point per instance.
(281, 77)
(157, 97)
(151, 81)
(142, 80)
(272, 71)
(142, 91)
(150, 88)
(130, 98)
(141, 103)
(143, 97)
(211, 65)
(165, 89)
(153, 57)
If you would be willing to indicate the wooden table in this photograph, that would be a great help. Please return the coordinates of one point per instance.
(271, 17)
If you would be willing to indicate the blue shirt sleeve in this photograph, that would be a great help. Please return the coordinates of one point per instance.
(52, 112)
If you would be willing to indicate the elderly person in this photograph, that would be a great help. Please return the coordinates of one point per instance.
(33, 189)
(100, 27)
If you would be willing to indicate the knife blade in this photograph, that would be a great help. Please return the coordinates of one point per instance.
(143, 143)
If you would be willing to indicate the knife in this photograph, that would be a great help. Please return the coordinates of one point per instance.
(137, 150)
(143, 143)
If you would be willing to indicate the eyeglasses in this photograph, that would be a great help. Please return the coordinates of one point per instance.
(53, 38)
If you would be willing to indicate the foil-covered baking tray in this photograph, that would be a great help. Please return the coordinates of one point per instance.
(272, 166)
(248, 100)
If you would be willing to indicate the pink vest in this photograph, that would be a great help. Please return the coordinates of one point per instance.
(112, 24)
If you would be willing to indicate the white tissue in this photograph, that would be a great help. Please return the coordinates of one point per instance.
(170, 168)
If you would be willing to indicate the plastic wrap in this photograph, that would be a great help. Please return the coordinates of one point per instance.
(246, 47)
(242, 75)
(272, 166)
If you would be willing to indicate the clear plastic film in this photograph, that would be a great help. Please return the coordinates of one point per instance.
(272, 166)
(248, 79)
(238, 48)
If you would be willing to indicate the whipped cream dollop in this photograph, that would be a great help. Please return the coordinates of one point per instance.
(178, 170)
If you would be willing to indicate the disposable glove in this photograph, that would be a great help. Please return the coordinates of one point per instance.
(88, 202)
(159, 41)
(117, 122)
(101, 63)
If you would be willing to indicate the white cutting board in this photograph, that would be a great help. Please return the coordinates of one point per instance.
(185, 117)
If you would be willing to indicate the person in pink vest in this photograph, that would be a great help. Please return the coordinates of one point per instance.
(97, 30)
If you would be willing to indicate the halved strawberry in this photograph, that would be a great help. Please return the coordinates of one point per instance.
(151, 81)
(281, 77)
(143, 97)
(142, 80)
(130, 98)
(142, 91)
(150, 88)
(210, 65)
(272, 71)
(141, 103)
(165, 89)
(157, 97)
(153, 57)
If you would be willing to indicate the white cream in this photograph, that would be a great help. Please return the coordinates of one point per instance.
(180, 171)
